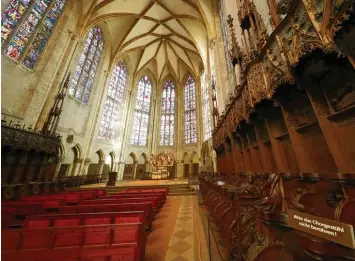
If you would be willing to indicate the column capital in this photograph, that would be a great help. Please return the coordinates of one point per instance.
(79, 160)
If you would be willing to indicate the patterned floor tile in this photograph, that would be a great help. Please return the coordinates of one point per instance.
(180, 247)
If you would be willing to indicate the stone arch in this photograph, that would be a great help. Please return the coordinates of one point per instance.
(113, 158)
(194, 157)
(141, 166)
(152, 79)
(61, 151)
(144, 157)
(185, 158)
(131, 157)
(130, 166)
(167, 78)
(184, 79)
(70, 159)
(101, 155)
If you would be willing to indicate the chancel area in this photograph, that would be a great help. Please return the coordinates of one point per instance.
(177, 130)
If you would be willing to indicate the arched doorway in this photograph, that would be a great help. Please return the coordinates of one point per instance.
(128, 173)
(195, 164)
(186, 162)
(142, 166)
(95, 165)
(68, 165)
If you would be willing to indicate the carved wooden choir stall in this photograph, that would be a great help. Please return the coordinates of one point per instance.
(286, 138)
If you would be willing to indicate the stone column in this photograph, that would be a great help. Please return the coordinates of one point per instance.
(66, 59)
(127, 127)
(77, 166)
(86, 165)
(57, 168)
(135, 163)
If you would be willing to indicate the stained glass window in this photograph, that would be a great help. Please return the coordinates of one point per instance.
(11, 16)
(34, 29)
(167, 114)
(142, 112)
(190, 112)
(206, 108)
(84, 76)
(112, 108)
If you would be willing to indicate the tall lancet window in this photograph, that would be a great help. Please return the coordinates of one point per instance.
(167, 114)
(207, 126)
(86, 69)
(26, 26)
(190, 112)
(142, 112)
(113, 105)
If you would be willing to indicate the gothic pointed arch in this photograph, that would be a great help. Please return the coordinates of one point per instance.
(141, 116)
(190, 111)
(111, 114)
(86, 69)
(167, 121)
(27, 27)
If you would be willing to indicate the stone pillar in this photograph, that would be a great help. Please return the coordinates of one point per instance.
(57, 168)
(135, 163)
(78, 163)
(66, 59)
(100, 167)
(85, 169)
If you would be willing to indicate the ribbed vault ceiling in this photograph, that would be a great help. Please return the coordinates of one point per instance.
(166, 36)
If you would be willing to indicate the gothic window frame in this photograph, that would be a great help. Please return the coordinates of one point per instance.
(167, 130)
(27, 27)
(190, 111)
(225, 34)
(142, 114)
(206, 108)
(112, 107)
(87, 66)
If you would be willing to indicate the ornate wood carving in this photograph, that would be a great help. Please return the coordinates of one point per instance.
(299, 34)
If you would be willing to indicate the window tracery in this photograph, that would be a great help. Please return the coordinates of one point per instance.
(167, 115)
(113, 105)
(206, 108)
(86, 69)
(24, 38)
(141, 112)
(190, 112)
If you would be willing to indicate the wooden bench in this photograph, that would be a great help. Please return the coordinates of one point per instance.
(99, 208)
(154, 201)
(145, 190)
(160, 196)
(124, 242)
(86, 219)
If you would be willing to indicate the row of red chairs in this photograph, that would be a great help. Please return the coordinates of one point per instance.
(79, 225)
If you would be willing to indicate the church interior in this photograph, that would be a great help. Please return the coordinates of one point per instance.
(177, 130)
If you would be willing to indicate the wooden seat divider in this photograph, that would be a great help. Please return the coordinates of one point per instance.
(124, 242)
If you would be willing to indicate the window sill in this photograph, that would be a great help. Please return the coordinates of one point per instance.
(17, 63)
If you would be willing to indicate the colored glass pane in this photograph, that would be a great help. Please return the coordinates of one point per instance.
(18, 43)
(11, 17)
(142, 112)
(206, 108)
(190, 112)
(43, 34)
(86, 69)
(167, 115)
(111, 112)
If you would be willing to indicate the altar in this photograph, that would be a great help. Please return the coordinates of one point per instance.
(163, 167)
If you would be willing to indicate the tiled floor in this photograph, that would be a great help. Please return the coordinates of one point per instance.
(187, 238)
